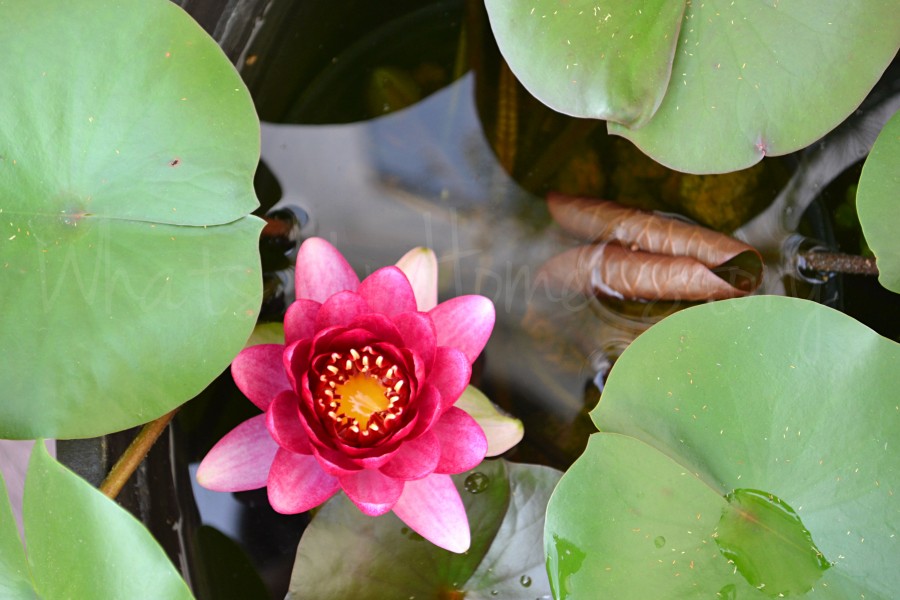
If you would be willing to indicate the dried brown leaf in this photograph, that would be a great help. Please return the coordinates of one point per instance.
(641, 255)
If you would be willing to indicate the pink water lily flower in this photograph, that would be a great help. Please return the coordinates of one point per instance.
(361, 397)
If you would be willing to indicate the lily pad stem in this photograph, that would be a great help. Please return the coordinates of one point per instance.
(834, 262)
(133, 456)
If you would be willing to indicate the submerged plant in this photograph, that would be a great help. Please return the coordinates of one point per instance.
(361, 398)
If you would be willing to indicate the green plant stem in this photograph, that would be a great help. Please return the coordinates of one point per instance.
(133, 456)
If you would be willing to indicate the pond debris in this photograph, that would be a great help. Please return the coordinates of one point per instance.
(639, 255)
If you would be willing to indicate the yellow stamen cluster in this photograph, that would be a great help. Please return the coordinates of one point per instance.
(360, 394)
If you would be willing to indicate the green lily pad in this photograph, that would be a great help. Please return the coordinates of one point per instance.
(230, 575)
(764, 79)
(605, 61)
(877, 203)
(81, 544)
(747, 79)
(345, 554)
(744, 442)
(129, 271)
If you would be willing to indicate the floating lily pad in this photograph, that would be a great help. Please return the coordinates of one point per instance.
(80, 543)
(605, 61)
(878, 205)
(764, 79)
(129, 271)
(345, 554)
(747, 79)
(747, 450)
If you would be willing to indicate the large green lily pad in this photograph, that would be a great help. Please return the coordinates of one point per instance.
(878, 204)
(604, 61)
(747, 449)
(129, 271)
(748, 79)
(345, 554)
(80, 543)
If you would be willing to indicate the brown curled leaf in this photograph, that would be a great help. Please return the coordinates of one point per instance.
(641, 255)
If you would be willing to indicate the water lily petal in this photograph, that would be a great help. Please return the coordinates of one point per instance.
(432, 508)
(333, 462)
(295, 361)
(241, 460)
(428, 410)
(341, 309)
(450, 374)
(322, 271)
(376, 327)
(421, 268)
(297, 483)
(502, 431)
(464, 322)
(372, 492)
(463, 443)
(388, 292)
(416, 458)
(419, 335)
(283, 422)
(300, 320)
(259, 373)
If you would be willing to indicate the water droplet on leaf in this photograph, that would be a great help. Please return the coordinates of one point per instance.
(477, 482)
(768, 544)
(525, 580)
(659, 542)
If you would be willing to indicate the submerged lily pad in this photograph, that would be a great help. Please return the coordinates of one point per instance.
(747, 450)
(129, 271)
(345, 554)
(878, 205)
(80, 543)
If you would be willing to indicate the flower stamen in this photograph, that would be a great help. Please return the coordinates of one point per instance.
(361, 401)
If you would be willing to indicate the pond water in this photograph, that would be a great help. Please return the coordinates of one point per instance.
(460, 162)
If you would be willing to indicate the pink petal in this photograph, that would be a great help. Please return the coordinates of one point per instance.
(295, 361)
(322, 271)
(376, 325)
(416, 458)
(240, 460)
(501, 430)
(259, 373)
(283, 421)
(432, 508)
(388, 292)
(418, 333)
(300, 320)
(341, 309)
(334, 462)
(428, 409)
(463, 443)
(420, 267)
(450, 374)
(372, 492)
(465, 323)
(297, 483)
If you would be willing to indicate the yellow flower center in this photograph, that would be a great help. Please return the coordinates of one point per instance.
(362, 396)
(359, 395)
